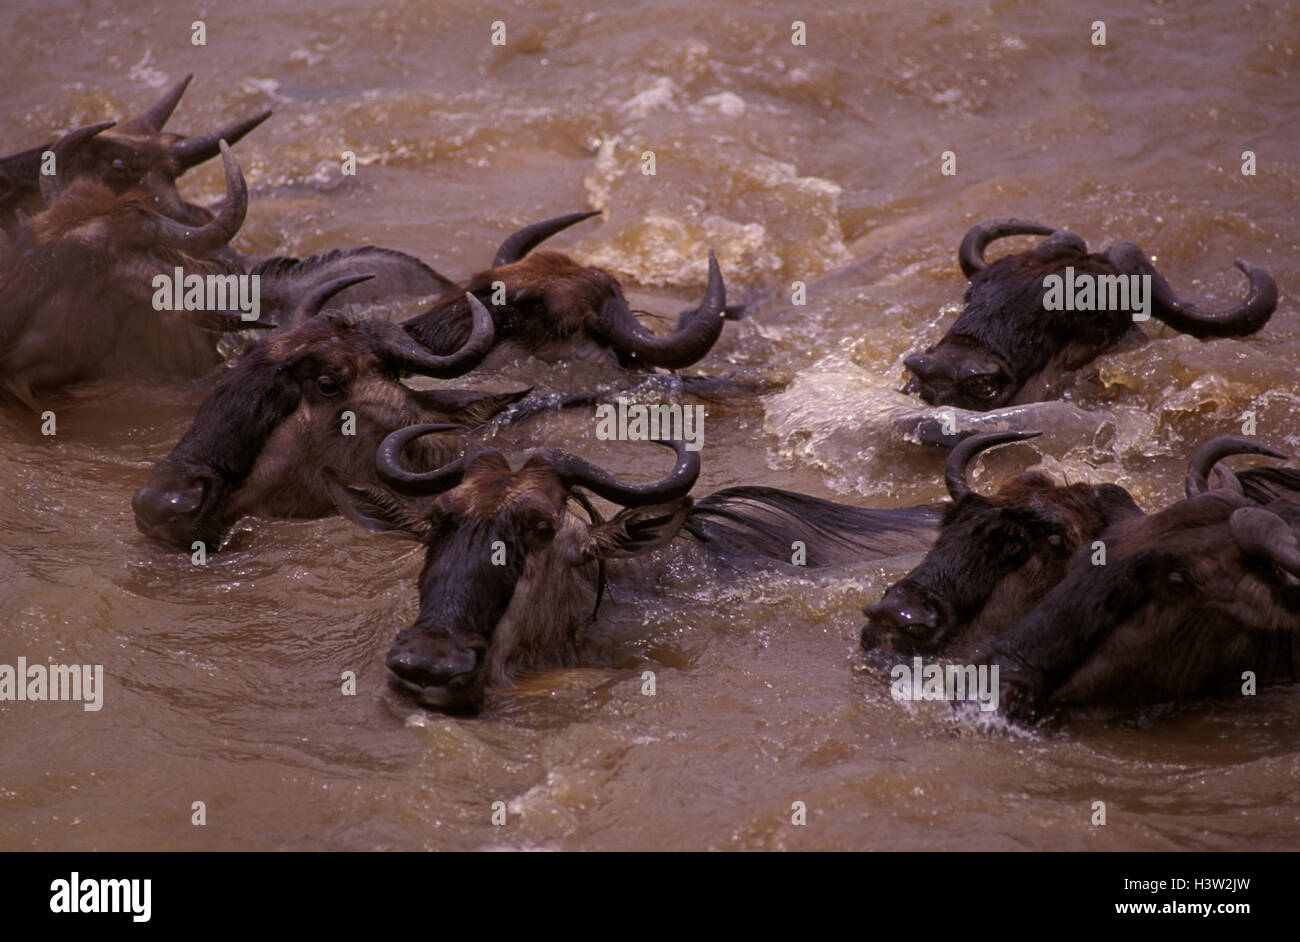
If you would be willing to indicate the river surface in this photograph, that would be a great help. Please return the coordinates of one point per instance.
(817, 163)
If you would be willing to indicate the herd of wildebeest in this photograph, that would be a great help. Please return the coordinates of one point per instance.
(1184, 602)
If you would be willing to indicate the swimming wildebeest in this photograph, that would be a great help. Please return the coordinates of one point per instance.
(76, 294)
(261, 436)
(1007, 348)
(134, 155)
(995, 557)
(555, 309)
(79, 289)
(514, 558)
(1188, 601)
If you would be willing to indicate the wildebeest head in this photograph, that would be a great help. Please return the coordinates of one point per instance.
(136, 154)
(994, 557)
(1188, 600)
(1006, 348)
(556, 309)
(512, 571)
(262, 434)
(76, 285)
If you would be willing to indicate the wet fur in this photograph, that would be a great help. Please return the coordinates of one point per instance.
(1126, 634)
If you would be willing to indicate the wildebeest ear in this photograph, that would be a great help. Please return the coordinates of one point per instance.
(1116, 503)
(375, 508)
(466, 407)
(636, 530)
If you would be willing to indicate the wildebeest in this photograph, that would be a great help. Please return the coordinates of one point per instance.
(78, 298)
(994, 556)
(1188, 601)
(260, 437)
(514, 558)
(279, 415)
(555, 309)
(76, 295)
(133, 155)
(1005, 348)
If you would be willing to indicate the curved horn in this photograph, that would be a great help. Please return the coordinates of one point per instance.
(578, 472)
(222, 228)
(1260, 532)
(1227, 480)
(52, 186)
(157, 116)
(192, 151)
(954, 472)
(691, 341)
(1244, 318)
(388, 463)
(308, 307)
(528, 238)
(971, 254)
(1214, 451)
(315, 299)
(393, 342)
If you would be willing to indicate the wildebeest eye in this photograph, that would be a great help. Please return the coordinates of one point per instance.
(540, 531)
(328, 385)
(1056, 541)
(1176, 578)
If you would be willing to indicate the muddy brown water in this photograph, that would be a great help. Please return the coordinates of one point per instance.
(817, 163)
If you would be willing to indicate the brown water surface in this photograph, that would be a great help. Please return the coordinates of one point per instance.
(817, 163)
